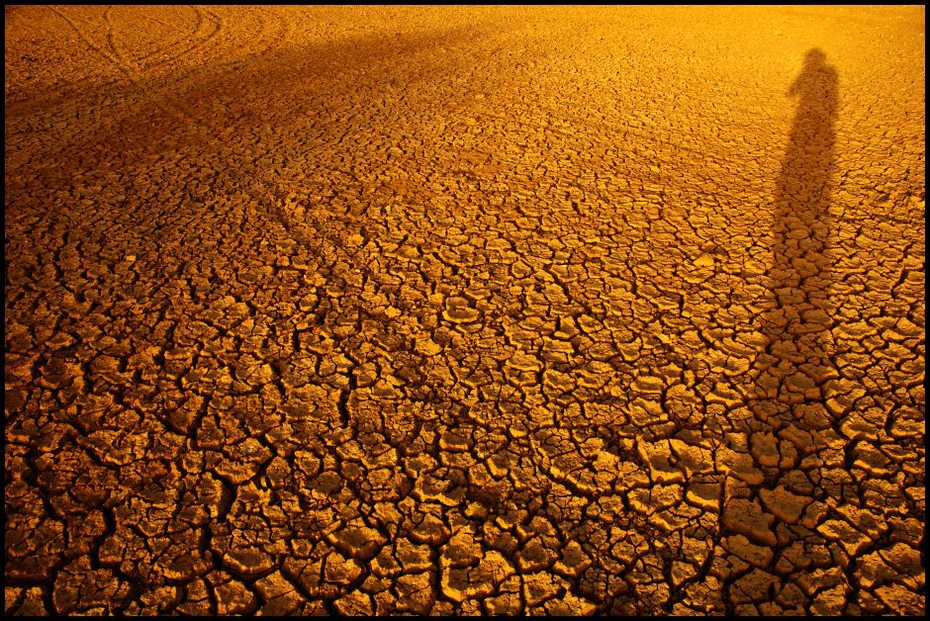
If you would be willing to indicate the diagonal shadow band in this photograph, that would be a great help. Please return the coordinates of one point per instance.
(797, 359)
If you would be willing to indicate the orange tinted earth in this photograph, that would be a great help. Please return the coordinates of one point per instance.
(464, 310)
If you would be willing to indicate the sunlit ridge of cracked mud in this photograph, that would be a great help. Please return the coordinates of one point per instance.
(469, 310)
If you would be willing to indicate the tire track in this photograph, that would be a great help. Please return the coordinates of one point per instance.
(176, 42)
(282, 28)
(114, 56)
(207, 27)
(137, 73)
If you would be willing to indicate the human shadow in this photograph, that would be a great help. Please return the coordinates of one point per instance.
(796, 361)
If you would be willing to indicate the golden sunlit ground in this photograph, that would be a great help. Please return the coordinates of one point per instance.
(464, 310)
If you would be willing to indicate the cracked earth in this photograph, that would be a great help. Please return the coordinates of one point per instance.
(464, 310)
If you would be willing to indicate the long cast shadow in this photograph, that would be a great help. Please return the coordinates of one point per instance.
(797, 358)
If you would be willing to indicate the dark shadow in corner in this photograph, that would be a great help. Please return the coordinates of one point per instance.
(797, 358)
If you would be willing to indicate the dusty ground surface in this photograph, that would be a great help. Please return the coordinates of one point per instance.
(464, 310)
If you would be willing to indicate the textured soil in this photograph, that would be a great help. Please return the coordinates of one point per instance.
(464, 310)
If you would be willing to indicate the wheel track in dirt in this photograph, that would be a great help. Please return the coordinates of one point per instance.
(130, 70)
(281, 29)
(206, 28)
(136, 73)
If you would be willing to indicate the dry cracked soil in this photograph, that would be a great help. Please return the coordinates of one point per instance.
(472, 310)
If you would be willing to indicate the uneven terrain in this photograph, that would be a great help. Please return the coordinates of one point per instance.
(464, 310)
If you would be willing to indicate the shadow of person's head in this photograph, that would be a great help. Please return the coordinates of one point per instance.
(815, 57)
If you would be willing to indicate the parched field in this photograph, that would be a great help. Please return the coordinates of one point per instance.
(464, 310)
